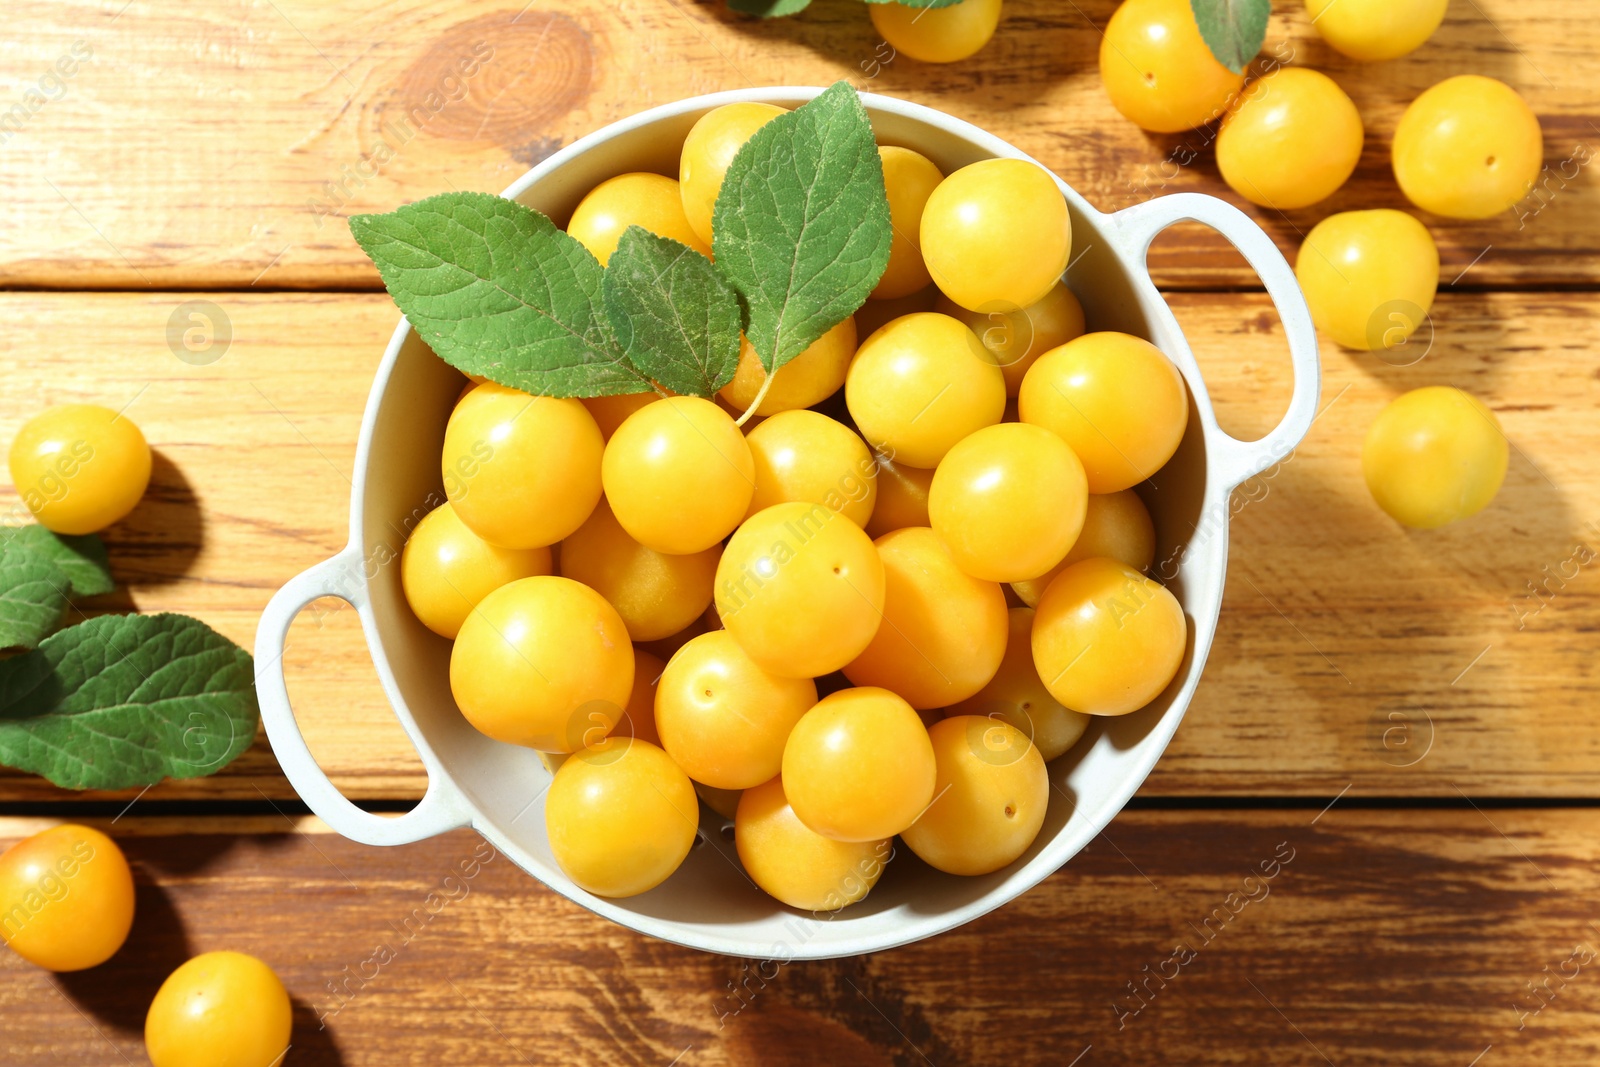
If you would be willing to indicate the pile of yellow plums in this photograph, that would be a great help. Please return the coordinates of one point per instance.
(1467, 148)
(873, 605)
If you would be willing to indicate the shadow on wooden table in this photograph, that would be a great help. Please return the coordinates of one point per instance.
(311, 1045)
(119, 991)
(160, 539)
(202, 851)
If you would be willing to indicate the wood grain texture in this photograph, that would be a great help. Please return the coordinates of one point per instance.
(218, 146)
(1412, 938)
(1349, 652)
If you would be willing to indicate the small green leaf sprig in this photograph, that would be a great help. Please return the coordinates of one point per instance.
(801, 235)
(118, 700)
(1234, 30)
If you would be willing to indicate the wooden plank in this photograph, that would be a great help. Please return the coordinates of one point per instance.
(1403, 937)
(1349, 651)
(251, 484)
(213, 147)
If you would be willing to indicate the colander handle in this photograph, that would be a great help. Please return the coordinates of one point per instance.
(1140, 224)
(441, 807)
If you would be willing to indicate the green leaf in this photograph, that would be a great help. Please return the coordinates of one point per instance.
(673, 314)
(1233, 29)
(33, 594)
(82, 558)
(769, 8)
(39, 571)
(497, 290)
(801, 226)
(126, 700)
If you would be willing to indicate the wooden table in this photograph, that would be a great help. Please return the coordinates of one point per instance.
(1411, 714)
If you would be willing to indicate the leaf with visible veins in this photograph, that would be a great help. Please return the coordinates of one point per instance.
(498, 291)
(127, 700)
(1233, 29)
(801, 226)
(672, 313)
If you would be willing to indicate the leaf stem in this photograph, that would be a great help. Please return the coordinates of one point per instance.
(761, 394)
